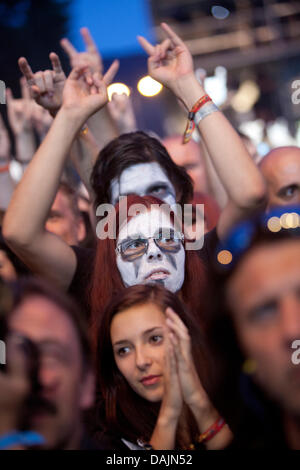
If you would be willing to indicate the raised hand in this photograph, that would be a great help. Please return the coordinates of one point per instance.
(84, 93)
(121, 110)
(90, 58)
(19, 110)
(45, 87)
(41, 119)
(4, 141)
(170, 61)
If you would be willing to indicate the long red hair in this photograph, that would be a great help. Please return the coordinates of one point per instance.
(106, 279)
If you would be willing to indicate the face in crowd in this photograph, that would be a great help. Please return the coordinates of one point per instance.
(143, 179)
(190, 157)
(64, 221)
(264, 296)
(66, 385)
(138, 341)
(281, 169)
(150, 250)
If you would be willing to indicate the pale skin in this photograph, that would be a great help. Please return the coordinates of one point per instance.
(184, 386)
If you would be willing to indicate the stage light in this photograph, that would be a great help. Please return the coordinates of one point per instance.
(118, 88)
(149, 87)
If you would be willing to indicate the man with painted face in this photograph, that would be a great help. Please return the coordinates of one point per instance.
(83, 94)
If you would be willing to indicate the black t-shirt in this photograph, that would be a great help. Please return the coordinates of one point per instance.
(79, 287)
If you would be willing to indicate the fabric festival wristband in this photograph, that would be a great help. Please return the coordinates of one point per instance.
(212, 431)
(206, 110)
(27, 438)
(191, 116)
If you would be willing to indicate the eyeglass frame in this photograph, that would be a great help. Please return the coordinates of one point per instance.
(146, 239)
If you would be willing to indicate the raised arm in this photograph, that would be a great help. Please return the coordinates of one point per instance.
(100, 124)
(171, 64)
(19, 113)
(24, 223)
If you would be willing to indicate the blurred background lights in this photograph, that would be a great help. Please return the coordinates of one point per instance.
(118, 88)
(215, 85)
(224, 257)
(274, 224)
(149, 87)
(219, 12)
(289, 220)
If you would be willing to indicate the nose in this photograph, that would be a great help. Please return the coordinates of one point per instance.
(142, 359)
(290, 319)
(48, 378)
(154, 253)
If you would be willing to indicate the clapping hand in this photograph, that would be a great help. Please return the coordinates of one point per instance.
(192, 389)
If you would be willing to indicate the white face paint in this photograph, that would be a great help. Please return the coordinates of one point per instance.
(143, 179)
(156, 265)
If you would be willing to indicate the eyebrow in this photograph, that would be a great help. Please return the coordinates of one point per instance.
(144, 333)
(150, 188)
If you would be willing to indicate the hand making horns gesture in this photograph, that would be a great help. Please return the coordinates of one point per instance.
(170, 62)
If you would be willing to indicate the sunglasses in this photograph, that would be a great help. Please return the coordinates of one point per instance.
(131, 249)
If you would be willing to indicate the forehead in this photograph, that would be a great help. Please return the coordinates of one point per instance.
(267, 271)
(135, 320)
(40, 319)
(137, 178)
(146, 224)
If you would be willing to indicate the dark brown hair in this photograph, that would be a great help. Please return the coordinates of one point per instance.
(131, 149)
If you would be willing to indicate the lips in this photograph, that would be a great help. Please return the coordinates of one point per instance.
(150, 380)
(156, 274)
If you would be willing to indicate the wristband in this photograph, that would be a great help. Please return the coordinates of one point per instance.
(211, 431)
(206, 110)
(4, 169)
(191, 116)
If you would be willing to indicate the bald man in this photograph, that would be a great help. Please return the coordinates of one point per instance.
(281, 169)
(190, 157)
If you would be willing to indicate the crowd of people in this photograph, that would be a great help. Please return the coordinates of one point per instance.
(149, 288)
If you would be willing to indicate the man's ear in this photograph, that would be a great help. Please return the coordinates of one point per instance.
(81, 229)
(87, 390)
